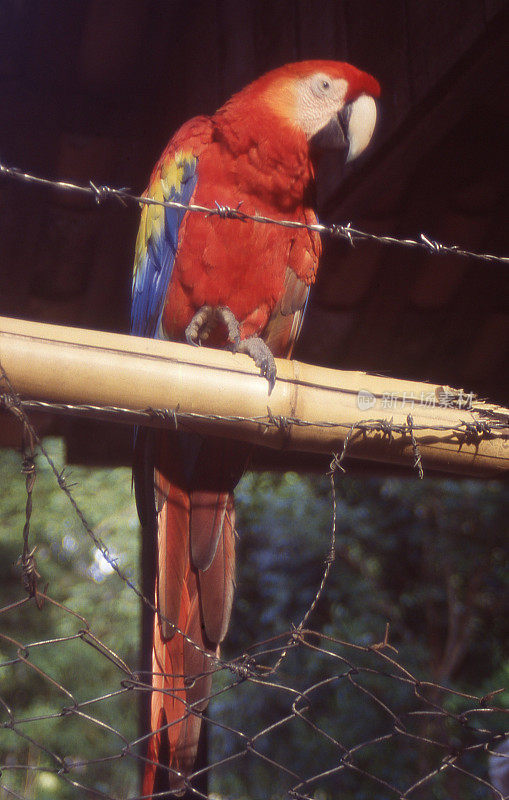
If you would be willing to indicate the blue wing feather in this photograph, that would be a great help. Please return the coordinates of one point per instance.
(157, 244)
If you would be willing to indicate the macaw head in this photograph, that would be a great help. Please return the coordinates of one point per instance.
(329, 103)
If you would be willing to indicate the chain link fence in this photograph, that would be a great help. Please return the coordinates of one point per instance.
(305, 681)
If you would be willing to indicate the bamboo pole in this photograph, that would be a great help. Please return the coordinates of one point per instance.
(310, 409)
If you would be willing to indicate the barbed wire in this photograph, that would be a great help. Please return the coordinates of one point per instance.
(492, 425)
(347, 232)
(443, 727)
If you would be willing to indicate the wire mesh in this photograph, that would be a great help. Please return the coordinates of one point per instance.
(306, 678)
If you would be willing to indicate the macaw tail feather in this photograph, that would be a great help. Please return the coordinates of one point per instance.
(193, 598)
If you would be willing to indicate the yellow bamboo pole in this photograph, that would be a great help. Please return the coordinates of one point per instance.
(222, 393)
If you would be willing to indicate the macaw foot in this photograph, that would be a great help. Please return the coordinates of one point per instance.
(206, 318)
(262, 356)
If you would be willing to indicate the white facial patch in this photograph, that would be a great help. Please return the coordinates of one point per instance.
(319, 97)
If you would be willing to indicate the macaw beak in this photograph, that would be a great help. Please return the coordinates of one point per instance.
(350, 130)
(362, 116)
(334, 135)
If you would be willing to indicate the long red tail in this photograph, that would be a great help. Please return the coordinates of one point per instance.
(194, 592)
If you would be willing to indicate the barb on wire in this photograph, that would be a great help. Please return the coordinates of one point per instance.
(417, 453)
(347, 231)
(27, 561)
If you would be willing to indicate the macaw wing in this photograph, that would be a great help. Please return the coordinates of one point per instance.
(174, 179)
(285, 323)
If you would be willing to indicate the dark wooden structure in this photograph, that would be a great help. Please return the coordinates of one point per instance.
(93, 90)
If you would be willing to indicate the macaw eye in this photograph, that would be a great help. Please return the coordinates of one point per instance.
(320, 85)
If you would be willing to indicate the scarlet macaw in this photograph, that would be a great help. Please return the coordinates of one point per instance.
(195, 277)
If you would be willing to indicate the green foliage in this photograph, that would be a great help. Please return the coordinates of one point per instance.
(81, 580)
(427, 557)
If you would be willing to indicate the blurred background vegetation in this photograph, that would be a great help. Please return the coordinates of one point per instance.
(428, 557)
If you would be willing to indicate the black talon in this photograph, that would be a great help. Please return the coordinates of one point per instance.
(190, 340)
(234, 345)
(262, 356)
(271, 377)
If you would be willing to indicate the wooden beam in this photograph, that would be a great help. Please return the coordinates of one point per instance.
(311, 409)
